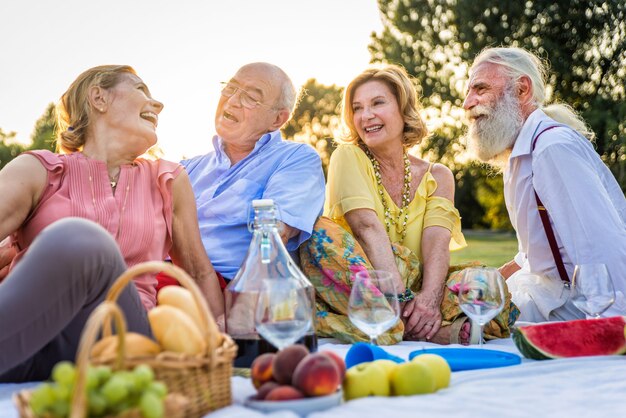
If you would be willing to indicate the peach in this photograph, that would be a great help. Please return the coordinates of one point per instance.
(317, 375)
(286, 361)
(284, 393)
(339, 362)
(265, 389)
(261, 369)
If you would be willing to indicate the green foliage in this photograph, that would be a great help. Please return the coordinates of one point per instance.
(42, 138)
(43, 135)
(9, 149)
(316, 120)
(436, 40)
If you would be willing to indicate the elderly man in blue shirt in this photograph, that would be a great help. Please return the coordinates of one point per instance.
(252, 161)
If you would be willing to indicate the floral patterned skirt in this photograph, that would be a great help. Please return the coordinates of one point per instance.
(332, 256)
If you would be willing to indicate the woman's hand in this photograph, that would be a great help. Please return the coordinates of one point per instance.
(7, 254)
(422, 316)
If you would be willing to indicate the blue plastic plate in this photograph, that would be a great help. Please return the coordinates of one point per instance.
(472, 358)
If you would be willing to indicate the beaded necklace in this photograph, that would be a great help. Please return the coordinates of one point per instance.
(406, 191)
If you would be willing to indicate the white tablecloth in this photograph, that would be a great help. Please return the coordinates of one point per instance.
(577, 387)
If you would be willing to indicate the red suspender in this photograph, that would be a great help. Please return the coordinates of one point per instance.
(545, 220)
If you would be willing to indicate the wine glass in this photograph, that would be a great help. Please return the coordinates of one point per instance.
(481, 296)
(284, 311)
(592, 289)
(373, 306)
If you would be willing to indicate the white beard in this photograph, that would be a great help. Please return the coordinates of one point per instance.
(492, 137)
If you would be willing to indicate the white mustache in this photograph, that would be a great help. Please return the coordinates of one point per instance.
(480, 110)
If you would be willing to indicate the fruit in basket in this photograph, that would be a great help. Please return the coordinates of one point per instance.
(284, 393)
(365, 379)
(136, 345)
(582, 337)
(438, 366)
(175, 330)
(316, 375)
(412, 378)
(180, 298)
(108, 393)
(261, 369)
(286, 361)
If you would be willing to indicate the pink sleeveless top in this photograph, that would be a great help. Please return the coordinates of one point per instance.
(138, 215)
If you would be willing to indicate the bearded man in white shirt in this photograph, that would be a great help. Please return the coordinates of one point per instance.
(545, 149)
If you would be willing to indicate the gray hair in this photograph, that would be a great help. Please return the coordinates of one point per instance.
(518, 62)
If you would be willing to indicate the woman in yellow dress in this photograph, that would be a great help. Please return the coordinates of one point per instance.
(386, 209)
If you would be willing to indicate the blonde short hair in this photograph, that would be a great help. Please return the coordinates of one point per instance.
(73, 111)
(400, 84)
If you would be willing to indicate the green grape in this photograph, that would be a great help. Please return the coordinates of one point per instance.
(61, 408)
(103, 373)
(97, 404)
(151, 405)
(144, 375)
(61, 393)
(42, 399)
(64, 373)
(158, 388)
(93, 379)
(115, 390)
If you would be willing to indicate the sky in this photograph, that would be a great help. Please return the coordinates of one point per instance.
(182, 49)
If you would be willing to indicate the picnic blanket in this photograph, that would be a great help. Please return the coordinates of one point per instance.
(575, 387)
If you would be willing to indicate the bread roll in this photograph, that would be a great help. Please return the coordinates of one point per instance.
(137, 345)
(175, 330)
(181, 298)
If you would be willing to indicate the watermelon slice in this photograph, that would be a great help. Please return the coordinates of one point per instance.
(583, 337)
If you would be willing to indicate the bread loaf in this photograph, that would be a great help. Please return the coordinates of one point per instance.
(175, 330)
(136, 345)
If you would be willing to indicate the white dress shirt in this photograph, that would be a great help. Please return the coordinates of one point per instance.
(586, 206)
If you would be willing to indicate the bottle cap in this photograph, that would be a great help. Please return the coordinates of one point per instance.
(260, 203)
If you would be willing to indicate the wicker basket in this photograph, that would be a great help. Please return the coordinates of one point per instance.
(203, 379)
(174, 404)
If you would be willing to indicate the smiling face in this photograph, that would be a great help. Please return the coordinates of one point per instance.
(241, 127)
(494, 112)
(376, 114)
(131, 109)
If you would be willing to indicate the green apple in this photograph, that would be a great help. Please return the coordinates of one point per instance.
(388, 365)
(438, 366)
(412, 378)
(365, 379)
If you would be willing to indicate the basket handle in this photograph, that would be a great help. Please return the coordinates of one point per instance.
(99, 316)
(210, 332)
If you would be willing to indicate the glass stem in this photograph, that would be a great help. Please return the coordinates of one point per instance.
(373, 341)
(480, 339)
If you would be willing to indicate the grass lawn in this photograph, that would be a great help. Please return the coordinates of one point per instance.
(490, 248)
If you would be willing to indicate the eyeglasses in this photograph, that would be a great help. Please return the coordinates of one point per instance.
(246, 99)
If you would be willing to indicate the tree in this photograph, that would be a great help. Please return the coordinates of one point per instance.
(316, 120)
(43, 135)
(585, 40)
(9, 149)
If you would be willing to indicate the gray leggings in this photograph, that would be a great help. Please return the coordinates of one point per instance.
(46, 299)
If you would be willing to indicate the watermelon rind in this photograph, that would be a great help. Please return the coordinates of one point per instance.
(583, 337)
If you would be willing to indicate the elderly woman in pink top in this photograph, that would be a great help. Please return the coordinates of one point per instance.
(77, 220)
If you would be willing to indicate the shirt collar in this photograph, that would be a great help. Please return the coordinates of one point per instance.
(523, 143)
(265, 139)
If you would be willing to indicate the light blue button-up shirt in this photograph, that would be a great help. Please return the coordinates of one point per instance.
(289, 173)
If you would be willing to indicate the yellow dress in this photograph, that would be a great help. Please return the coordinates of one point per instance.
(352, 185)
(332, 255)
